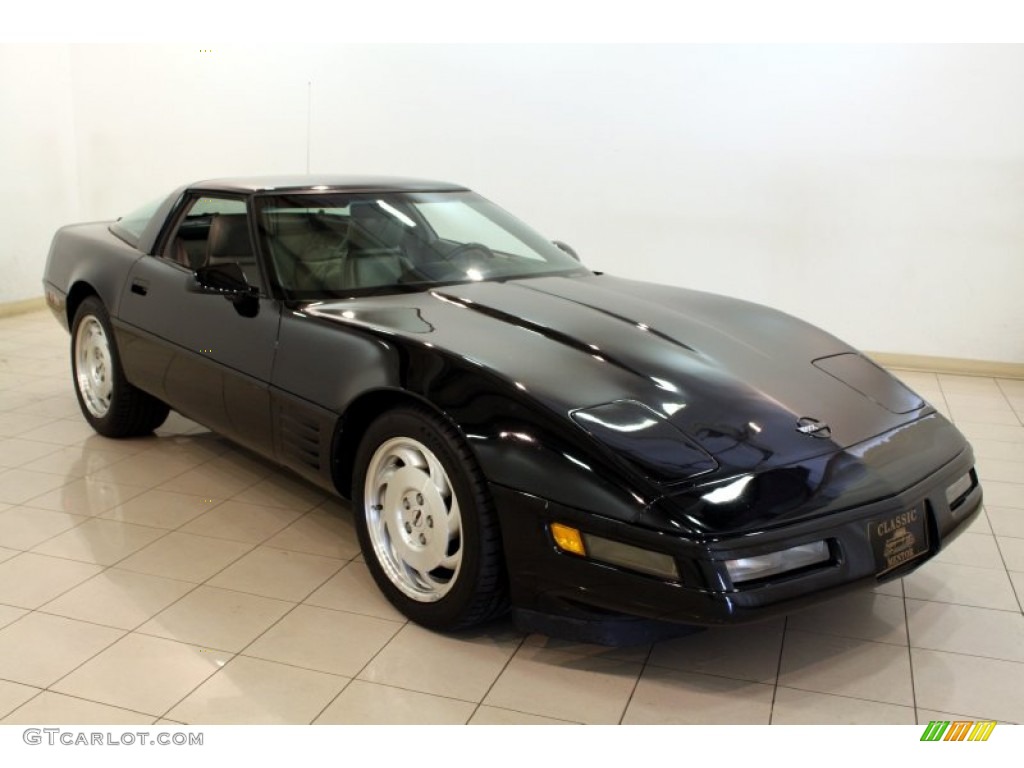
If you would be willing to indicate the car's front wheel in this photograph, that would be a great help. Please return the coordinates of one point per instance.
(111, 405)
(425, 521)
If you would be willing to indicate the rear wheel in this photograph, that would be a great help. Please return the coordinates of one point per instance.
(426, 524)
(111, 405)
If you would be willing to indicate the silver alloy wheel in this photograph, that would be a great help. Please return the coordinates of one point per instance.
(413, 518)
(93, 366)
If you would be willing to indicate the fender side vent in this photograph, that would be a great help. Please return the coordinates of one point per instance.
(300, 440)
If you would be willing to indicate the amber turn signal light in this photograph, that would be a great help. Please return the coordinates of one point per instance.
(568, 539)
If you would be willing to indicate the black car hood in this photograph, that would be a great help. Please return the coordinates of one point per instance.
(735, 377)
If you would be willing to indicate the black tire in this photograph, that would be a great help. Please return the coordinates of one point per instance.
(402, 541)
(111, 405)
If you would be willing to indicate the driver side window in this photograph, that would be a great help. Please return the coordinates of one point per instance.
(214, 231)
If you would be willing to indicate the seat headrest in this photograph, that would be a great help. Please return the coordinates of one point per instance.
(374, 227)
(229, 236)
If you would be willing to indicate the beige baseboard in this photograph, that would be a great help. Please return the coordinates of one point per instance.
(955, 365)
(10, 308)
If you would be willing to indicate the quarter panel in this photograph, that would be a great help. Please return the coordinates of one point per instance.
(89, 254)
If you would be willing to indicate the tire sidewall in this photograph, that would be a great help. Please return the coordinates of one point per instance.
(447, 612)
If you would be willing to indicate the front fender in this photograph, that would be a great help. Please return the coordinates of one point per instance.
(519, 441)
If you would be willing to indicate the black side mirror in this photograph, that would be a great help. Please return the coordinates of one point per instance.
(226, 280)
(567, 248)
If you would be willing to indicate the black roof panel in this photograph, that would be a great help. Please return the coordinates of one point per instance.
(324, 182)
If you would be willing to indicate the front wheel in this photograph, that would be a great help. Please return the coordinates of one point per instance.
(111, 405)
(426, 524)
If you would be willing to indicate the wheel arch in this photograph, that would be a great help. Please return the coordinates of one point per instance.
(79, 292)
(358, 416)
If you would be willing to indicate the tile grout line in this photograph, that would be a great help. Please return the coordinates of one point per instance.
(910, 650)
(29, 700)
(358, 672)
(234, 654)
(824, 633)
(1006, 569)
(80, 698)
(846, 696)
(126, 633)
(636, 683)
(1018, 413)
(49, 686)
(105, 568)
(241, 651)
(778, 669)
(497, 677)
(945, 402)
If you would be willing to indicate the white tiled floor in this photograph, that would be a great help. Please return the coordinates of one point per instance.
(179, 578)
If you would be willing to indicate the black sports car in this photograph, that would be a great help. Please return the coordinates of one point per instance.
(512, 428)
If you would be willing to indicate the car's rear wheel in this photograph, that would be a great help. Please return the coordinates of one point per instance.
(111, 405)
(426, 523)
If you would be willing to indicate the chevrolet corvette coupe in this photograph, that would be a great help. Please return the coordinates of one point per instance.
(513, 429)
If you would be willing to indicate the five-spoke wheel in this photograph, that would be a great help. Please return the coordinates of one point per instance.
(93, 366)
(413, 519)
(426, 523)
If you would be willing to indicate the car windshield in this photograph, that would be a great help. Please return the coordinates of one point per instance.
(330, 245)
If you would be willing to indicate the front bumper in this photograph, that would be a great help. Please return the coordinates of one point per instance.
(546, 580)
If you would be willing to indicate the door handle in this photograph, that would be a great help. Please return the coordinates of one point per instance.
(140, 287)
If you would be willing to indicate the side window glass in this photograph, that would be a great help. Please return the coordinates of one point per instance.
(214, 230)
(131, 226)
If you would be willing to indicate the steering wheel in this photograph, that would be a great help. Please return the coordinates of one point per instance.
(460, 249)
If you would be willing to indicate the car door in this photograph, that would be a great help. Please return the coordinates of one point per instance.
(206, 355)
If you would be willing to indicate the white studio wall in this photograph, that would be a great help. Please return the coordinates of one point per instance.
(38, 168)
(149, 119)
(875, 191)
